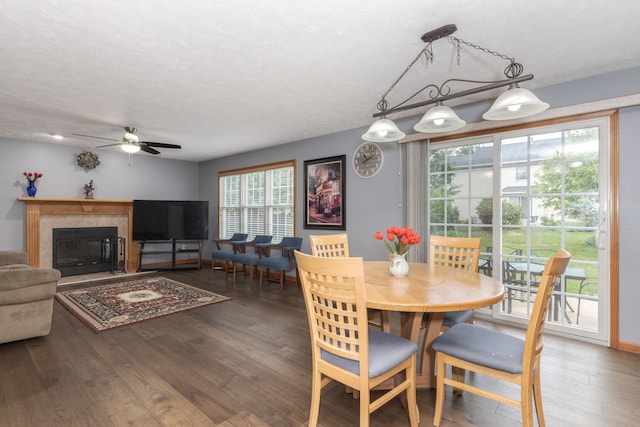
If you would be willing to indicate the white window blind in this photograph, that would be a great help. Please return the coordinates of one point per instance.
(258, 200)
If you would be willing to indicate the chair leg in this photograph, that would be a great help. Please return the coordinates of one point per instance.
(384, 321)
(316, 389)
(526, 404)
(412, 403)
(235, 267)
(281, 282)
(537, 396)
(365, 400)
(441, 371)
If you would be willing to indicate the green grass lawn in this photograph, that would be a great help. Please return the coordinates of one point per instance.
(544, 243)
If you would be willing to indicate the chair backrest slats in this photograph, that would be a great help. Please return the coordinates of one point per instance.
(333, 290)
(456, 252)
(330, 245)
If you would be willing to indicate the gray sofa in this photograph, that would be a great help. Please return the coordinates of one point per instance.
(26, 297)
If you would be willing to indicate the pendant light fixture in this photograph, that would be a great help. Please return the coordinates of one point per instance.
(439, 119)
(515, 103)
(383, 130)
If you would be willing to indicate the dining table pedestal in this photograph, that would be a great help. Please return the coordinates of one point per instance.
(427, 289)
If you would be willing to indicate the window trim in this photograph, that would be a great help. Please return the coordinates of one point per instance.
(593, 110)
(259, 168)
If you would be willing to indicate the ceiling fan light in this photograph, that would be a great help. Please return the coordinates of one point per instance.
(383, 130)
(515, 103)
(130, 137)
(439, 119)
(130, 148)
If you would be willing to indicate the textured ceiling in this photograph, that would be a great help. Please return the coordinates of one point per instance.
(228, 76)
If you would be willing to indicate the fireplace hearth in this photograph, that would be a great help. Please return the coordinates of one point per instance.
(86, 250)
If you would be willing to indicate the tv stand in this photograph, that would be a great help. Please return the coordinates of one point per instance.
(159, 249)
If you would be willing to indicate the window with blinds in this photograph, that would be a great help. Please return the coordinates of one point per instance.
(258, 200)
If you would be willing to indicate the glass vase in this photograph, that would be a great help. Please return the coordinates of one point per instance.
(32, 189)
(398, 265)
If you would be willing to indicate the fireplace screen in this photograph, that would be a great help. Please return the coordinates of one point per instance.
(85, 250)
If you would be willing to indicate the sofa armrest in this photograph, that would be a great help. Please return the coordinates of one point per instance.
(19, 278)
(13, 257)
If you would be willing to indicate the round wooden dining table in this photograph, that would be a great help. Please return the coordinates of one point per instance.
(428, 289)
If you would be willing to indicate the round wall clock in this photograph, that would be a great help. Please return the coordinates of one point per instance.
(367, 159)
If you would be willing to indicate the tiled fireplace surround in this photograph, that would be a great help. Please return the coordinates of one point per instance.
(45, 214)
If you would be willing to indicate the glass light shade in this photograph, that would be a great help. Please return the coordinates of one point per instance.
(515, 103)
(383, 130)
(130, 148)
(439, 119)
(130, 137)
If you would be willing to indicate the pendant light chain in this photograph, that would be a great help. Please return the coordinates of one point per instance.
(480, 48)
(428, 55)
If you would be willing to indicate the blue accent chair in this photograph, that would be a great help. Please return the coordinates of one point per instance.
(283, 261)
(249, 254)
(225, 249)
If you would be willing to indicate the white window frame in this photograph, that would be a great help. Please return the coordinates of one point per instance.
(256, 213)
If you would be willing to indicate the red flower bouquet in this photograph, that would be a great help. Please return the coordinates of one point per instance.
(400, 239)
(32, 176)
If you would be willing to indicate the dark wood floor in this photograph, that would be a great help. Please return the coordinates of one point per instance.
(246, 362)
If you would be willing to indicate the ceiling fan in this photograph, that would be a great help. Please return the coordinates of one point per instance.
(130, 142)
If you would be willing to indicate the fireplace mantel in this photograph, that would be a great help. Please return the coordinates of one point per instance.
(37, 206)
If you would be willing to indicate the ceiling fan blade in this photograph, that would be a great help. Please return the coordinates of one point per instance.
(160, 144)
(148, 149)
(95, 137)
(108, 145)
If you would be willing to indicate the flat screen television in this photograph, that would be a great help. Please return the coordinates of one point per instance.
(170, 220)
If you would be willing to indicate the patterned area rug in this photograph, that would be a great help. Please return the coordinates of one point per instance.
(119, 304)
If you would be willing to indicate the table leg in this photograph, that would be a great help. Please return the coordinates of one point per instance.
(426, 376)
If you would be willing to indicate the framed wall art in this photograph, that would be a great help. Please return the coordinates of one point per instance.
(325, 186)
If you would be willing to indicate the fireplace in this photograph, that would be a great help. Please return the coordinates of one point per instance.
(85, 250)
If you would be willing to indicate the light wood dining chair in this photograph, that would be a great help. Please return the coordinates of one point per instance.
(337, 245)
(455, 252)
(329, 245)
(344, 347)
(499, 355)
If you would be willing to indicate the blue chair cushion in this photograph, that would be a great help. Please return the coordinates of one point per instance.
(247, 258)
(223, 254)
(454, 317)
(276, 263)
(385, 352)
(482, 346)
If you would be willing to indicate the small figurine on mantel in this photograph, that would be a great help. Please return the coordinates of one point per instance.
(88, 190)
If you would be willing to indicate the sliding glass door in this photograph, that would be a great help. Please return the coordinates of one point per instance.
(527, 194)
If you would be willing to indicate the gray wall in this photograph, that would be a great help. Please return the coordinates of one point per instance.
(146, 178)
(372, 204)
(375, 203)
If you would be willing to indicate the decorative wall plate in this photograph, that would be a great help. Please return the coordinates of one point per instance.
(87, 160)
